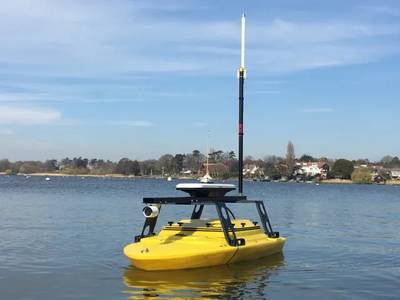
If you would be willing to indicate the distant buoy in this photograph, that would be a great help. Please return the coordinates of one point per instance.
(169, 178)
(47, 178)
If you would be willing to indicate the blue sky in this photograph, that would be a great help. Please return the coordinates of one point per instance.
(138, 79)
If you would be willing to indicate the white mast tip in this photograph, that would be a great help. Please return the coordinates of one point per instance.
(242, 38)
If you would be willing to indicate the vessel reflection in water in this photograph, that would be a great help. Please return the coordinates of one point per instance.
(241, 280)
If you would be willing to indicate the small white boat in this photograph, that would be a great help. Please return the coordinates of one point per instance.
(169, 178)
(47, 179)
(206, 178)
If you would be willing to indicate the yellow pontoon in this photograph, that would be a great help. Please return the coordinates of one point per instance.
(220, 282)
(195, 242)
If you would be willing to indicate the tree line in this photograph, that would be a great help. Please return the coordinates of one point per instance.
(272, 167)
(167, 164)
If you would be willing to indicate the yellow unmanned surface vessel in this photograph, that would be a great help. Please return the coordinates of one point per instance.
(197, 242)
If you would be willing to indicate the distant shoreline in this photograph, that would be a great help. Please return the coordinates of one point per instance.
(348, 181)
(82, 175)
(112, 175)
(326, 181)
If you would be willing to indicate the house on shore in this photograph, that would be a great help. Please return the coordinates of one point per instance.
(312, 169)
(186, 172)
(395, 174)
(380, 173)
(253, 171)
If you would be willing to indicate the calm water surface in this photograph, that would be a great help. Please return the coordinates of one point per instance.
(63, 239)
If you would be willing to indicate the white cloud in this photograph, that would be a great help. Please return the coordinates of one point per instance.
(27, 116)
(289, 32)
(72, 38)
(289, 46)
(318, 110)
(83, 40)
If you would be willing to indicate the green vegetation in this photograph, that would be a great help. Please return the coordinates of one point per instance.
(362, 176)
(270, 171)
(4, 165)
(390, 162)
(308, 158)
(343, 168)
(128, 167)
(8, 172)
(290, 159)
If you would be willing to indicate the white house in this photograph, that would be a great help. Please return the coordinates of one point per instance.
(395, 173)
(186, 172)
(252, 170)
(311, 169)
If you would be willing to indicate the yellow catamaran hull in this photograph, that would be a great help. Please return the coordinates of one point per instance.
(200, 243)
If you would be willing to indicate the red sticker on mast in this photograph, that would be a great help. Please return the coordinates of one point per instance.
(240, 129)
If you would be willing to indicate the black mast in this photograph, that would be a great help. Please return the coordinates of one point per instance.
(241, 75)
(241, 100)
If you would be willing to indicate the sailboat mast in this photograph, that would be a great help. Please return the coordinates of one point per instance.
(208, 151)
(241, 76)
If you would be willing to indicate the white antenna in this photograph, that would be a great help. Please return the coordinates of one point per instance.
(242, 41)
